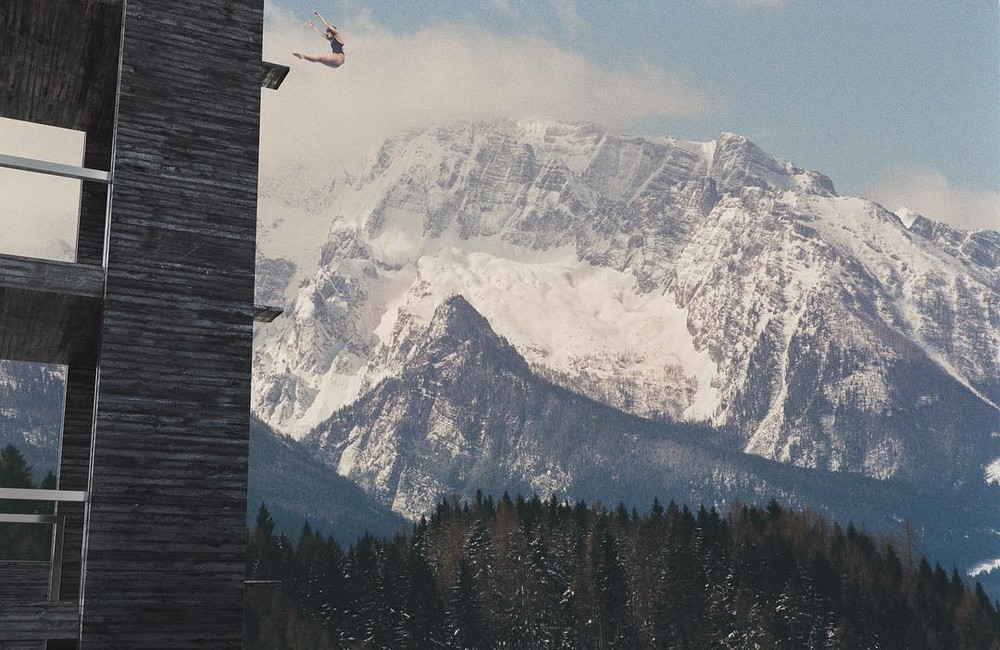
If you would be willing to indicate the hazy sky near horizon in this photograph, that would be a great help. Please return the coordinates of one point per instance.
(892, 100)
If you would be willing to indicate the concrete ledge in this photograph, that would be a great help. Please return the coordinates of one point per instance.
(49, 275)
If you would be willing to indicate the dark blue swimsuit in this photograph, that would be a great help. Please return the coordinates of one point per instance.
(336, 46)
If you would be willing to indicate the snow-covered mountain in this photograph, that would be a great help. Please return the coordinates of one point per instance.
(296, 487)
(31, 402)
(556, 308)
(701, 282)
(464, 412)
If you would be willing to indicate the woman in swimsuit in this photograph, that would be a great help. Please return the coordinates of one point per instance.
(335, 58)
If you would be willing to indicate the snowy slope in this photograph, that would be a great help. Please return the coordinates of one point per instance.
(702, 281)
(589, 323)
(852, 343)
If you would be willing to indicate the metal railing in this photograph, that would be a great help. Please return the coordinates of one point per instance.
(55, 169)
(58, 522)
(79, 173)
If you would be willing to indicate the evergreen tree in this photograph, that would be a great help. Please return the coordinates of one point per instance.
(424, 622)
(15, 472)
(25, 542)
(263, 556)
(611, 582)
(533, 574)
(468, 619)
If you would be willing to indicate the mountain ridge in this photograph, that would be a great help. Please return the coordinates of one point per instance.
(461, 417)
(748, 267)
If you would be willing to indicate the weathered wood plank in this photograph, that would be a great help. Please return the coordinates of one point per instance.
(23, 581)
(47, 326)
(67, 81)
(93, 201)
(49, 275)
(266, 313)
(74, 466)
(39, 620)
(272, 75)
(164, 557)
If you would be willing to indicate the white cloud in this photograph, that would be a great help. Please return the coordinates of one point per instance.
(928, 192)
(394, 81)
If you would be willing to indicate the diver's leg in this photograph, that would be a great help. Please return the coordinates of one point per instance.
(331, 59)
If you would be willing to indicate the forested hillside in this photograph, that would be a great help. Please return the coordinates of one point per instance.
(530, 573)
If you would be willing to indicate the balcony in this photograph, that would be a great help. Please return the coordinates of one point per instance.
(35, 601)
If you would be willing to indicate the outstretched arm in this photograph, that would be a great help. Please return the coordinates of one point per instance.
(325, 21)
(316, 29)
(333, 28)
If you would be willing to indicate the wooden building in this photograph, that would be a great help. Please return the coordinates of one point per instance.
(153, 319)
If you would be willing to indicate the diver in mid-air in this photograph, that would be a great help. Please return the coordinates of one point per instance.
(335, 58)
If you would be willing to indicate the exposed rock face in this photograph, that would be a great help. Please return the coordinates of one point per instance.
(464, 412)
(705, 282)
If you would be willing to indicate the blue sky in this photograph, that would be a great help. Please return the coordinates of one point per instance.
(896, 101)
(890, 99)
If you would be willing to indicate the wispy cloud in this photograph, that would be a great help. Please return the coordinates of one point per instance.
(929, 193)
(503, 7)
(564, 12)
(394, 81)
(568, 16)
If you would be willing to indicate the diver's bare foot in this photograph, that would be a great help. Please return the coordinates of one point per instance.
(296, 55)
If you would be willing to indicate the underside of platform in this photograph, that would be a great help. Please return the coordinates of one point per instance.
(49, 311)
(59, 63)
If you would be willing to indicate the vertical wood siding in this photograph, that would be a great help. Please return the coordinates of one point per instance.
(165, 553)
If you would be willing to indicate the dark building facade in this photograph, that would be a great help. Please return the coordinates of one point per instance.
(153, 320)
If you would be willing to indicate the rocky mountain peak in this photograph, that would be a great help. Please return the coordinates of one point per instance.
(702, 281)
(738, 163)
(459, 333)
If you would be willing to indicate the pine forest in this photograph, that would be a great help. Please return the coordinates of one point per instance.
(533, 573)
